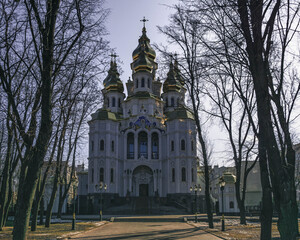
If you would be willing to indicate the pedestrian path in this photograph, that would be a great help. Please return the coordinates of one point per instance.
(156, 227)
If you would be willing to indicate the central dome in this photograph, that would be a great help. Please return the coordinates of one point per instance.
(144, 45)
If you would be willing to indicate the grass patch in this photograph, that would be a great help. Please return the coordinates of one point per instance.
(56, 230)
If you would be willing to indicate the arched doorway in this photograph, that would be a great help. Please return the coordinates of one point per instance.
(142, 179)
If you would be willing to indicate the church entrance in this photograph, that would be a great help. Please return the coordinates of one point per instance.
(144, 190)
(142, 181)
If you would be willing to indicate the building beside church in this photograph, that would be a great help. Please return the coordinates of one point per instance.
(142, 144)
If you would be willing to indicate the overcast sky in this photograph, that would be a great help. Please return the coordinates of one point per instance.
(125, 27)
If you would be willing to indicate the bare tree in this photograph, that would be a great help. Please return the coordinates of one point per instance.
(267, 28)
(29, 71)
(183, 33)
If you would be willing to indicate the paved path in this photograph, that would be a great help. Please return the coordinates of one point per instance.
(137, 230)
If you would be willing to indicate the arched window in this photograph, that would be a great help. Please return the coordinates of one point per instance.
(154, 141)
(143, 82)
(182, 145)
(119, 102)
(102, 145)
(112, 146)
(137, 83)
(92, 147)
(130, 146)
(192, 174)
(183, 174)
(111, 175)
(192, 145)
(172, 145)
(101, 175)
(143, 144)
(173, 174)
(231, 204)
(148, 82)
(113, 102)
(172, 102)
(92, 175)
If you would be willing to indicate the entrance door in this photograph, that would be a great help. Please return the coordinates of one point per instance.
(144, 190)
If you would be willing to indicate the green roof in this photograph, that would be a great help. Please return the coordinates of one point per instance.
(229, 177)
(180, 113)
(104, 114)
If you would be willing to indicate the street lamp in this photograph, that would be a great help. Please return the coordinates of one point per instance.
(196, 189)
(75, 183)
(222, 186)
(101, 186)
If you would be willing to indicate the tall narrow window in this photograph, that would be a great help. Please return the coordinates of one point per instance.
(112, 146)
(101, 175)
(172, 146)
(192, 145)
(113, 102)
(143, 82)
(182, 145)
(173, 174)
(92, 147)
(178, 102)
(192, 174)
(231, 204)
(119, 102)
(136, 83)
(111, 175)
(167, 102)
(107, 102)
(172, 102)
(143, 144)
(183, 174)
(148, 82)
(154, 141)
(102, 145)
(130, 146)
(92, 175)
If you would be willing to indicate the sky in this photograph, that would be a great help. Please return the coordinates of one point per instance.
(125, 28)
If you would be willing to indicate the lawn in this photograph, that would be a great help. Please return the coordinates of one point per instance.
(57, 230)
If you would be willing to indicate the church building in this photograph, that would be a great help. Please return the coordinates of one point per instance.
(142, 144)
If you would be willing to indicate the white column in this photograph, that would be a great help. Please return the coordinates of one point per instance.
(135, 146)
(149, 145)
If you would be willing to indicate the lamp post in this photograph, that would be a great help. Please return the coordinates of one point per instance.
(222, 186)
(196, 189)
(75, 182)
(101, 186)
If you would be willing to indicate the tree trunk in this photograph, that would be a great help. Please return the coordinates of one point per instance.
(4, 192)
(42, 211)
(60, 202)
(27, 187)
(35, 210)
(51, 202)
(5, 179)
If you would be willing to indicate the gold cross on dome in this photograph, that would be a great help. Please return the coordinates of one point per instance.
(144, 20)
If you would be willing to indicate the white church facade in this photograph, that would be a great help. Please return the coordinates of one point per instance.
(142, 144)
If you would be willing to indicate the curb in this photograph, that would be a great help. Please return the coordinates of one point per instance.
(70, 235)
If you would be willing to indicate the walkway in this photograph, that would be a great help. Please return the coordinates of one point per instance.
(142, 228)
